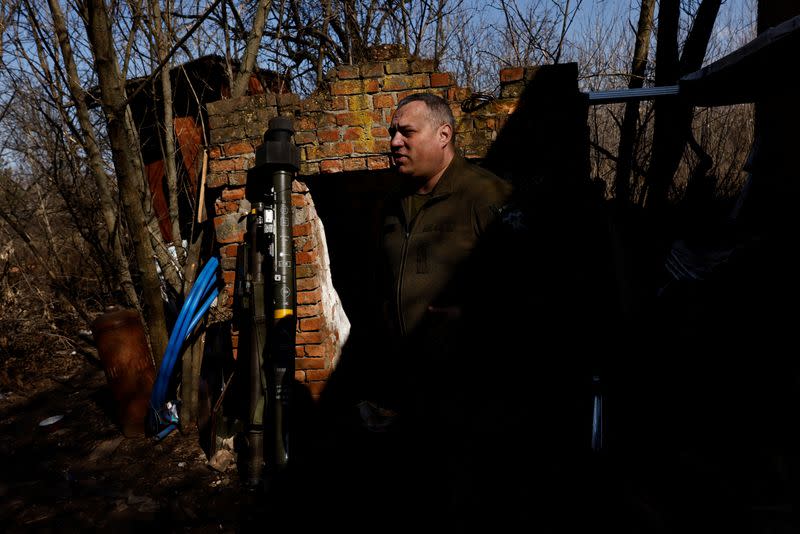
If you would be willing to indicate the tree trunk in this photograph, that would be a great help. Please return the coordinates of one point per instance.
(242, 80)
(356, 46)
(627, 134)
(326, 4)
(193, 356)
(126, 154)
(169, 126)
(108, 203)
(674, 118)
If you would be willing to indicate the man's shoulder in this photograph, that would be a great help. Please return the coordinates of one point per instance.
(482, 181)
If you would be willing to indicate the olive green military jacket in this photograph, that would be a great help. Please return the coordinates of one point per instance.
(427, 258)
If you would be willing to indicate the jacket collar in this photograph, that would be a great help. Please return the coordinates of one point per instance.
(447, 184)
(449, 179)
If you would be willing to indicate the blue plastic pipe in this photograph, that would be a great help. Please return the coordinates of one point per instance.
(197, 303)
(179, 331)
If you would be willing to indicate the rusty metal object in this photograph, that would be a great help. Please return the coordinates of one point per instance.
(122, 346)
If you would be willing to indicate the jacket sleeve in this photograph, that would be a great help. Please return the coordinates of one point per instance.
(489, 204)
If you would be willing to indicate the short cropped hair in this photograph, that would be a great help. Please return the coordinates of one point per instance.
(438, 111)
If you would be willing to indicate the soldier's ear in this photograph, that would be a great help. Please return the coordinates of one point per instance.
(445, 134)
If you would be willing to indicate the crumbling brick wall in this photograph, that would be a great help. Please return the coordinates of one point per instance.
(341, 129)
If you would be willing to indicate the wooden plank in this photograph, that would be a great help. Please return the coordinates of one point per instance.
(755, 71)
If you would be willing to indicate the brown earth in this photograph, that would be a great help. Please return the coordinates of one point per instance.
(82, 474)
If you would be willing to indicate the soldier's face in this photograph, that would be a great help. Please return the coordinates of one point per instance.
(417, 145)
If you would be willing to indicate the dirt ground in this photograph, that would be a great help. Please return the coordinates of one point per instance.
(83, 474)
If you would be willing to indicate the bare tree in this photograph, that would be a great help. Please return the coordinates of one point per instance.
(673, 119)
(242, 78)
(124, 140)
(629, 122)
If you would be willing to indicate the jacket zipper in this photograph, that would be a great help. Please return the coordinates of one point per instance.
(398, 299)
(409, 228)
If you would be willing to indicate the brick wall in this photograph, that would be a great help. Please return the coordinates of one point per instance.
(339, 130)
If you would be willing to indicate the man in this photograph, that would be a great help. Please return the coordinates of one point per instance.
(433, 224)
(431, 229)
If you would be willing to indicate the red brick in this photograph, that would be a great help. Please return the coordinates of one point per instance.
(310, 104)
(311, 152)
(299, 352)
(309, 297)
(304, 271)
(318, 374)
(397, 83)
(304, 138)
(235, 237)
(351, 134)
(310, 244)
(344, 148)
(229, 276)
(229, 251)
(512, 74)
(216, 179)
(238, 177)
(300, 376)
(347, 72)
(419, 81)
(441, 79)
(305, 123)
(309, 363)
(309, 169)
(315, 351)
(378, 162)
(214, 152)
(506, 106)
(222, 165)
(326, 120)
(312, 323)
(458, 94)
(347, 87)
(237, 148)
(309, 338)
(338, 103)
(349, 119)
(298, 199)
(299, 186)
(226, 207)
(402, 94)
(379, 131)
(301, 229)
(358, 102)
(397, 66)
(372, 70)
(305, 284)
(383, 101)
(309, 310)
(328, 135)
(372, 86)
(382, 147)
(355, 164)
(305, 258)
(287, 100)
(233, 194)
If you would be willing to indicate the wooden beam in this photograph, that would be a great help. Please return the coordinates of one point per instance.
(758, 70)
